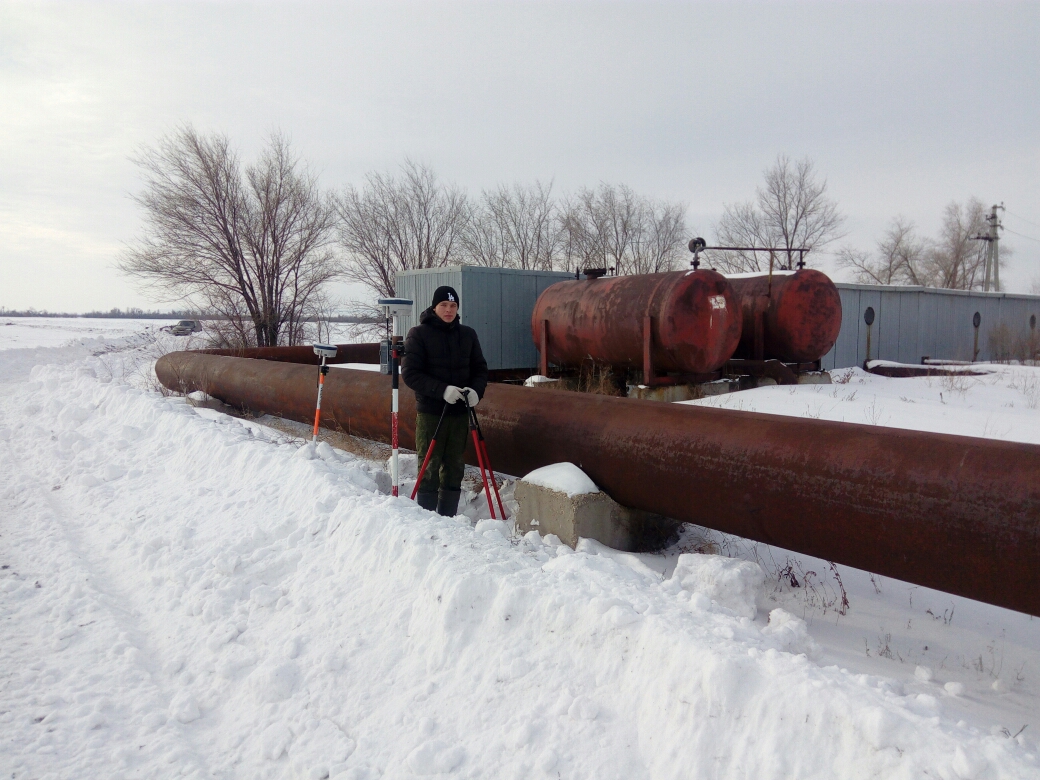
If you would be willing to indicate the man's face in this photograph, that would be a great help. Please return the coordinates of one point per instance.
(446, 310)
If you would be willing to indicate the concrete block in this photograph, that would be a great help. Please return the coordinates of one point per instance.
(592, 516)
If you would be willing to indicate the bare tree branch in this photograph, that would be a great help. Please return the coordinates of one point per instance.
(253, 248)
(400, 223)
(613, 227)
(791, 211)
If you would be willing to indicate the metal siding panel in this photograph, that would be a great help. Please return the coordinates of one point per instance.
(480, 299)
(887, 325)
(945, 328)
(909, 312)
(519, 303)
(844, 352)
(927, 319)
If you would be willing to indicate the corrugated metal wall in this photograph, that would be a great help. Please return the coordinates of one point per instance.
(914, 322)
(496, 302)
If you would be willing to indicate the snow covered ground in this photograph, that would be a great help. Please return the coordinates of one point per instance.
(184, 593)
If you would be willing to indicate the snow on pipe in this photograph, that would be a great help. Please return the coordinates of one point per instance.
(955, 513)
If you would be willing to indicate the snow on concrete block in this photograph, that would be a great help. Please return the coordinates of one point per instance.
(730, 583)
(564, 478)
(561, 500)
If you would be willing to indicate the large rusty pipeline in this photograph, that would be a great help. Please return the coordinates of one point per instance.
(694, 321)
(955, 513)
(790, 316)
(345, 353)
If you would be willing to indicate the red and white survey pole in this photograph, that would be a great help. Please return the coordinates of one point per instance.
(390, 362)
(324, 351)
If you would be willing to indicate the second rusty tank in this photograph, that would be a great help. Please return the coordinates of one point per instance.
(694, 319)
(792, 316)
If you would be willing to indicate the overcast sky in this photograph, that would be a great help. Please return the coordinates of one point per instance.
(903, 107)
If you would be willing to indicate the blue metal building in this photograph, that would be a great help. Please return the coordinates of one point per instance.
(496, 302)
(915, 322)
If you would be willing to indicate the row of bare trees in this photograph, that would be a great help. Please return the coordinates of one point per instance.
(411, 220)
(258, 244)
(954, 259)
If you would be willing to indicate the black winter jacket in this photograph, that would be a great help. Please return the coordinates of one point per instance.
(438, 354)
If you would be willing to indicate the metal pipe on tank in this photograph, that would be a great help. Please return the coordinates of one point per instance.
(955, 513)
(796, 314)
(694, 320)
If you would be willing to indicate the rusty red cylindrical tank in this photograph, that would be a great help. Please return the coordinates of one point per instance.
(695, 321)
(795, 316)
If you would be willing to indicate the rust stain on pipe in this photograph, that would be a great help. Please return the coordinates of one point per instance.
(955, 513)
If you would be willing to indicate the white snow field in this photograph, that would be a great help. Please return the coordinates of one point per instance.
(185, 594)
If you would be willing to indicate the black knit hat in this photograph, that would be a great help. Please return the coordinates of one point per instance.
(445, 293)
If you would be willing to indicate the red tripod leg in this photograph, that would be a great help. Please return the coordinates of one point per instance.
(480, 462)
(422, 471)
(429, 452)
(494, 482)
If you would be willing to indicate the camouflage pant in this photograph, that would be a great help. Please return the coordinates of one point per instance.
(446, 467)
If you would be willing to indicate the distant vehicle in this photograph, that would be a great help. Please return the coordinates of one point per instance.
(186, 327)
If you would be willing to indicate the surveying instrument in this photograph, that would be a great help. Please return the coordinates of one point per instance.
(324, 351)
(391, 350)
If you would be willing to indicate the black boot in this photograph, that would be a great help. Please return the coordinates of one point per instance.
(448, 502)
(427, 500)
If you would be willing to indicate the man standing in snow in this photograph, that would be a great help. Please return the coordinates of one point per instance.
(443, 364)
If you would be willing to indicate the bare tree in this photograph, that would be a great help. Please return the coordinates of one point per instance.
(900, 257)
(400, 223)
(514, 227)
(613, 227)
(791, 211)
(662, 245)
(252, 248)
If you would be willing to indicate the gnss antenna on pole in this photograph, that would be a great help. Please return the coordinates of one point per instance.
(324, 351)
(393, 310)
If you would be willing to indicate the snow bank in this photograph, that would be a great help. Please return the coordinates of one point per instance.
(185, 595)
(563, 478)
(731, 583)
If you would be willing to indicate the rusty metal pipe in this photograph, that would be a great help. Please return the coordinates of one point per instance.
(345, 353)
(955, 513)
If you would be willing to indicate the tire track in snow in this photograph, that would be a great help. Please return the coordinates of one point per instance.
(69, 644)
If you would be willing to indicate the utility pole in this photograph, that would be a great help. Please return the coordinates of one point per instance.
(992, 240)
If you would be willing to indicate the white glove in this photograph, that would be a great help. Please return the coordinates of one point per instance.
(471, 396)
(452, 394)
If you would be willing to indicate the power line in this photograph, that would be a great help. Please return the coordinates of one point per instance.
(1021, 235)
(1019, 216)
